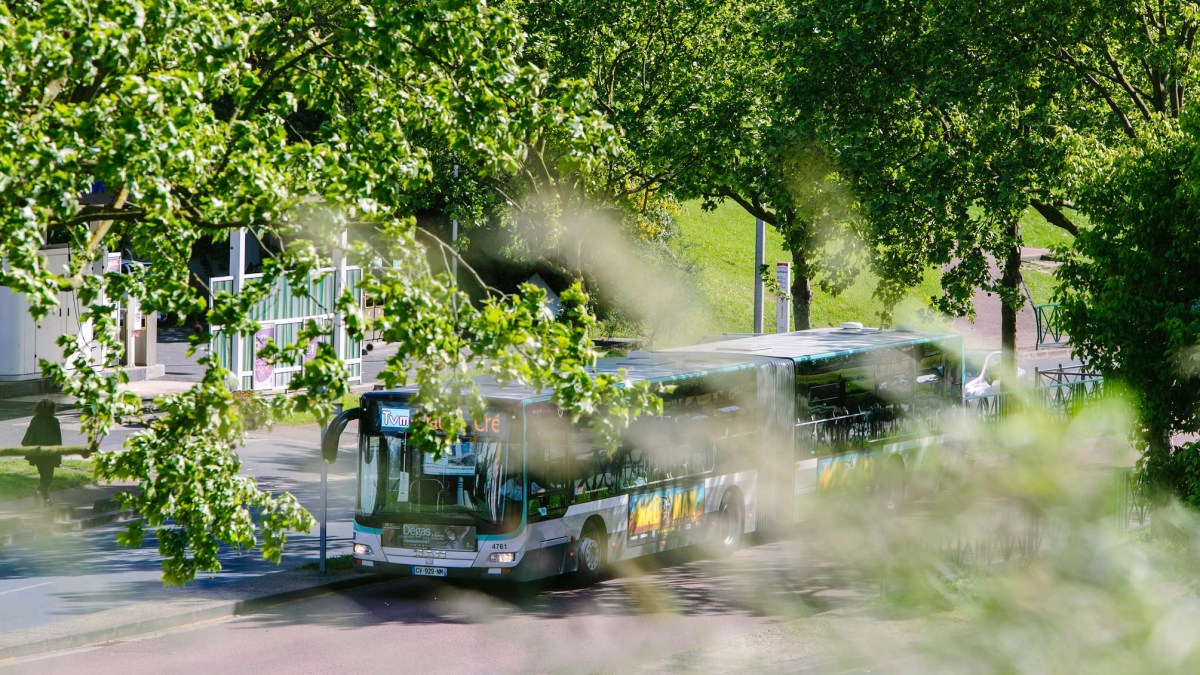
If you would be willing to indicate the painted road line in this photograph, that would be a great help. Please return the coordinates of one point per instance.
(25, 588)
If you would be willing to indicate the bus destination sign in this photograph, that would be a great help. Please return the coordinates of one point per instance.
(394, 418)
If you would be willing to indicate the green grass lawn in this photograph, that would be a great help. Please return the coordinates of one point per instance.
(720, 247)
(19, 478)
(1037, 233)
(1041, 285)
(299, 419)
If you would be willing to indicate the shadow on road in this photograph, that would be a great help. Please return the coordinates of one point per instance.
(776, 580)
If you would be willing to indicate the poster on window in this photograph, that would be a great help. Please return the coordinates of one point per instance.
(311, 352)
(264, 372)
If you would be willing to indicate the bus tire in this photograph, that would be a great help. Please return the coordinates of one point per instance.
(589, 555)
(730, 523)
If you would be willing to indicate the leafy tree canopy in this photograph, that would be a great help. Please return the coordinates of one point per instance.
(951, 119)
(294, 119)
(1131, 296)
(694, 91)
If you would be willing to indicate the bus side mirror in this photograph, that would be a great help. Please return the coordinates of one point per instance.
(333, 433)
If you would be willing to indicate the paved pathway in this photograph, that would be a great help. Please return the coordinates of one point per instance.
(984, 332)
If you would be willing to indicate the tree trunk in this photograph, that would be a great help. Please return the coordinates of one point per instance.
(1161, 471)
(801, 292)
(1010, 282)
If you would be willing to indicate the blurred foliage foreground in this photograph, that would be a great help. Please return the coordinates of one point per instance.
(1029, 533)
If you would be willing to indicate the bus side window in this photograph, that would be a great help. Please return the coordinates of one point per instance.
(547, 467)
(594, 471)
(701, 457)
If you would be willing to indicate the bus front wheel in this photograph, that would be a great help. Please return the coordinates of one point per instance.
(730, 523)
(589, 556)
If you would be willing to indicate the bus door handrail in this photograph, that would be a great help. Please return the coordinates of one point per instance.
(416, 481)
(333, 433)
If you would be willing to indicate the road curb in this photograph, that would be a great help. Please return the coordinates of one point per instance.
(215, 609)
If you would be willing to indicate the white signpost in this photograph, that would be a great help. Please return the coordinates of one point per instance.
(783, 304)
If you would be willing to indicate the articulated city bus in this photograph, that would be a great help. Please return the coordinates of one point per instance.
(751, 430)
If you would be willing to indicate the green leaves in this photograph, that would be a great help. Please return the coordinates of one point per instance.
(299, 121)
(1129, 291)
(190, 488)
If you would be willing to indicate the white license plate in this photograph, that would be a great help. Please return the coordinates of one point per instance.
(429, 571)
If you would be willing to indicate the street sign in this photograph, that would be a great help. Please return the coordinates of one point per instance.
(783, 303)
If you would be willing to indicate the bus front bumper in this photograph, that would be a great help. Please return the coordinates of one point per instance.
(535, 564)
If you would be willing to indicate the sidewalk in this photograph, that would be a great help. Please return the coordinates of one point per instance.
(246, 597)
(984, 332)
(23, 523)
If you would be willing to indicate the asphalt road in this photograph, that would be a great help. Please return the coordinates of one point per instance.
(662, 619)
(681, 613)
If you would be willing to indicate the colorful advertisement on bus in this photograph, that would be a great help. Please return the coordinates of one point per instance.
(653, 514)
(836, 471)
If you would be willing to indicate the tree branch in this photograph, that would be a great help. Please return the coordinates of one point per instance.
(1126, 125)
(1084, 72)
(88, 91)
(46, 450)
(1187, 40)
(457, 256)
(753, 207)
(647, 183)
(87, 216)
(1119, 78)
(1054, 216)
(1146, 28)
(612, 76)
(258, 96)
(93, 243)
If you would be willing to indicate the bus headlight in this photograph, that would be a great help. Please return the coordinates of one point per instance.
(502, 557)
(363, 549)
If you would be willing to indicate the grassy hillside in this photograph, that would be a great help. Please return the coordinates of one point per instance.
(1037, 233)
(720, 247)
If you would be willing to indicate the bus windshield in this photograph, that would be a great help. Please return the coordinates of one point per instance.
(477, 481)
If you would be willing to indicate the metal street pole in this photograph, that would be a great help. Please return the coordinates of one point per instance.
(783, 305)
(324, 512)
(454, 236)
(339, 347)
(337, 410)
(760, 238)
(237, 270)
